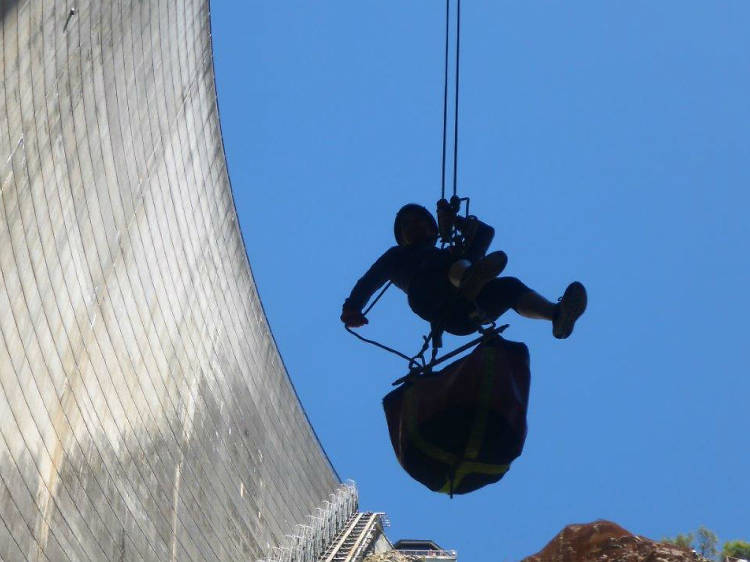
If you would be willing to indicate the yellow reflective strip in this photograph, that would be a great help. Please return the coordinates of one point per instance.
(417, 440)
(465, 467)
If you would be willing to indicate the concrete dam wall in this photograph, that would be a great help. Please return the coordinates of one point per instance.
(145, 413)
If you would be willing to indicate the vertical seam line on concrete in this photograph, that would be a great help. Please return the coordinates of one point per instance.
(94, 333)
(34, 139)
(118, 324)
(23, 290)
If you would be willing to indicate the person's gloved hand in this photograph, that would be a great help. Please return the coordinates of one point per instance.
(353, 318)
(444, 207)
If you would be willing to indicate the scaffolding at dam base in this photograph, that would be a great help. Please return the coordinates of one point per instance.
(310, 540)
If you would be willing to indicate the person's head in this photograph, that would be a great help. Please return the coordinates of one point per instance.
(414, 225)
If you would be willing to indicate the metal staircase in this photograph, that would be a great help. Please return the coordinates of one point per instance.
(352, 542)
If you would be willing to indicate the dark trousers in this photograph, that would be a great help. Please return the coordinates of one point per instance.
(433, 298)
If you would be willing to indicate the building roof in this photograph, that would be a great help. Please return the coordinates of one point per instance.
(416, 544)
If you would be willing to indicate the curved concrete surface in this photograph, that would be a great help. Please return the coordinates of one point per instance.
(145, 413)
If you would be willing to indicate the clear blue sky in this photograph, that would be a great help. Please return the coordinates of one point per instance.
(607, 142)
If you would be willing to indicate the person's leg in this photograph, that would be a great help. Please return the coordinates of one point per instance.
(484, 270)
(433, 298)
(533, 305)
(503, 293)
(500, 294)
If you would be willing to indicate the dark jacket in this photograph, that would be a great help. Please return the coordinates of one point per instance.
(400, 264)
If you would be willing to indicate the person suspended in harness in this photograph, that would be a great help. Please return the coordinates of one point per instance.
(458, 288)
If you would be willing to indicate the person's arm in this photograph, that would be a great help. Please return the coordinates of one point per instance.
(368, 284)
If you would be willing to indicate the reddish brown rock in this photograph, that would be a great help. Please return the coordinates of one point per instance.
(604, 541)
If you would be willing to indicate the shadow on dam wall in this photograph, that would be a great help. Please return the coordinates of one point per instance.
(5, 7)
(145, 412)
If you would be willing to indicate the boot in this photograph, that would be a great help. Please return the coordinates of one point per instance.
(569, 308)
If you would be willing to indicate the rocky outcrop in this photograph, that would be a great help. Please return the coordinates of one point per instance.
(604, 541)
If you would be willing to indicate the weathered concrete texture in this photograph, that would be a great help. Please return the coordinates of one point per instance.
(145, 413)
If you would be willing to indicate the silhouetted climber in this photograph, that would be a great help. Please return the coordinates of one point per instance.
(456, 288)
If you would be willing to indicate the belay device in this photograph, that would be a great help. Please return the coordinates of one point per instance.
(459, 429)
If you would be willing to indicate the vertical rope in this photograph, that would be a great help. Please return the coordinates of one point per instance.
(455, 122)
(445, 93)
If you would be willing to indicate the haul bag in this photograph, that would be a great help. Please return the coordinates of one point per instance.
(460, 428)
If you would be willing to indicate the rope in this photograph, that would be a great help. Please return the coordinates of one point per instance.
(412, 360)
(445, 92)
(455, 121)
(445, 97)
(417, 362)
(380, 294)
(380, 345)
(486, 334)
